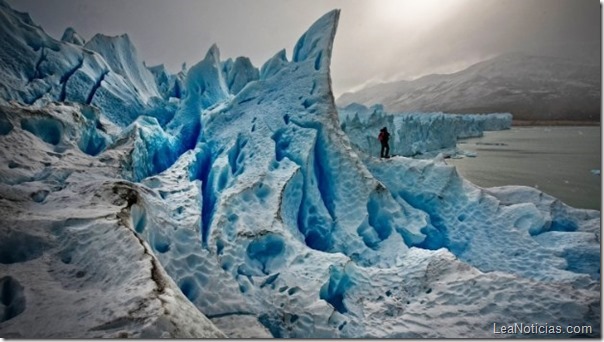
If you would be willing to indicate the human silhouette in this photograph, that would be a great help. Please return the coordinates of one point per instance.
(384, 137)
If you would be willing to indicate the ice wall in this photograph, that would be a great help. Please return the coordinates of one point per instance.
(414, 134)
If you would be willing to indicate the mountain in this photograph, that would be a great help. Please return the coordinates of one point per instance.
(530, 87)
(248, 213)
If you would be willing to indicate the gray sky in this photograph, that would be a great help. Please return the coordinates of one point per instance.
(377, 40)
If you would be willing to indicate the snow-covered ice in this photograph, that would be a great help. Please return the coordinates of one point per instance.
(233, 204)
(71, 263)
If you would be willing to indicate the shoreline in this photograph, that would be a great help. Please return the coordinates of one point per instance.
(520, 156)
(526, 123)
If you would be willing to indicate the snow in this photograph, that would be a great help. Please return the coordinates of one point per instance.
(415, 134)
(249, 213)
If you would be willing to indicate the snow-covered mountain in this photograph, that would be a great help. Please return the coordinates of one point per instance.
(247, 212)
(530, 87)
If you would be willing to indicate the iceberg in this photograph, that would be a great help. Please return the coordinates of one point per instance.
(249, 212)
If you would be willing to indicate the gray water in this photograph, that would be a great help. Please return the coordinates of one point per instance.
(556, 160)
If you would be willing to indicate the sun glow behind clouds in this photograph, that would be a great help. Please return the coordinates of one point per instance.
(399, 14)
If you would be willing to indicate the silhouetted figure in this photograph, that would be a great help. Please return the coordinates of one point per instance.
(384, 137)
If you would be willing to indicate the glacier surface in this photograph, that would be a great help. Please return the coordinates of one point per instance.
(415, 134)
(228, 201)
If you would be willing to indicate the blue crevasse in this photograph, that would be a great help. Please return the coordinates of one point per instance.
(156, 149)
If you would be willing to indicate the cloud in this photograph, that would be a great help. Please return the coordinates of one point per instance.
(473, 31)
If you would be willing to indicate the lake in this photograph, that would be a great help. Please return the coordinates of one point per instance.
(556, 160)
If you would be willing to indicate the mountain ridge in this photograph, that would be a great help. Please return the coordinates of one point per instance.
(531, 87)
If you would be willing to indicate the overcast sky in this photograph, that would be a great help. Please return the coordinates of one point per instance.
(377, 40)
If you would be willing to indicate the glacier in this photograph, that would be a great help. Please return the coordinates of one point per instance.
(227, 200)
(105, 72)
(415, 134)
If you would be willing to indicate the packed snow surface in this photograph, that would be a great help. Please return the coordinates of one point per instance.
(240, 207)
(415, 134)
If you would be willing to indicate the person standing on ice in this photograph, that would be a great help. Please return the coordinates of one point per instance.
(383, 138)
